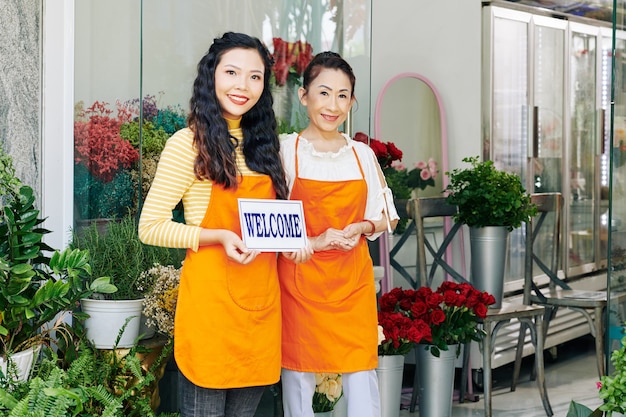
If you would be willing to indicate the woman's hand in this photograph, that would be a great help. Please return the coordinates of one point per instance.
(301, 255)
(334, 239)
(236, 250)
(234, 247)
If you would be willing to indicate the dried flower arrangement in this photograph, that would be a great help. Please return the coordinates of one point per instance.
(161, 289)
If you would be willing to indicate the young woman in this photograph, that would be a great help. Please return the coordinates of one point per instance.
(227, 327)
(329, 301)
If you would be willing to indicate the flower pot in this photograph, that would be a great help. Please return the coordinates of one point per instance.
(106, 319)
(23, 360)
(324, 414)
(435, 380)
(488, 246)
(389, 371)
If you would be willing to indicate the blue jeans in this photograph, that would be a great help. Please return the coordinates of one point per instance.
(196, 401)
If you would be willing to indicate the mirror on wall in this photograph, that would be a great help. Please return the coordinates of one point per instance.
(409, 112)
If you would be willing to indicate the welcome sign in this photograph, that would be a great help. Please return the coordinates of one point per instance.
(272, 225)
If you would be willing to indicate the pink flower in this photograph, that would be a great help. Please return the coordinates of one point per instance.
(420, 165)
(398, 165)
(425, 174)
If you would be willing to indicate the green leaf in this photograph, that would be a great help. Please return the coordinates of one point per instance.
(103, 285)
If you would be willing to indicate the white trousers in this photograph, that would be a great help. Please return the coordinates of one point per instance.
(359, 388)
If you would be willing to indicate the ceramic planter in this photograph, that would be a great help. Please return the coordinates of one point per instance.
(106, 319)
(23, 360)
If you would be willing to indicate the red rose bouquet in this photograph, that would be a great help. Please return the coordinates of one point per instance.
(386, 152)
(401, 328)
(452, 312)
(439, 318)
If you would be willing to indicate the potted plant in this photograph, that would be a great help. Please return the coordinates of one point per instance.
(34, 288)
(400, 330)
(121, 256)
(122, 382)
(435, 321)
(492, 203)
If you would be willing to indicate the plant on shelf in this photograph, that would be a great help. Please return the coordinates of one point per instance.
(120, 255)
(486, 196)
(328, 390)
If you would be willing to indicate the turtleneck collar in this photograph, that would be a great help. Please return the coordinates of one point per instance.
(233, 124)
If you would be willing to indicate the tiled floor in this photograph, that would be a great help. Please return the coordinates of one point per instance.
(570, 376)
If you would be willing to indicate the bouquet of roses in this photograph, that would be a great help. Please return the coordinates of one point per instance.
(402, 329)
(438, 318)
(452, 313)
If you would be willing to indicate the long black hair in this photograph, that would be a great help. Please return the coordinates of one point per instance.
(216, 150)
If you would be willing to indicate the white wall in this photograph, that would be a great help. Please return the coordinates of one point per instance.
(442, 41)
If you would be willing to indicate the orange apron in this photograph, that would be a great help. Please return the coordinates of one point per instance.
(329, 302)
(227, 326)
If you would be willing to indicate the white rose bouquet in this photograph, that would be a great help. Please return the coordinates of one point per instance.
(328, 390)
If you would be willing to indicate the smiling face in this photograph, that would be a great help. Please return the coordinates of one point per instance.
(328, 100)
(239, 81)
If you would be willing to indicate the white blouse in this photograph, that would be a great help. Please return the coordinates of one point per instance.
(340, 166)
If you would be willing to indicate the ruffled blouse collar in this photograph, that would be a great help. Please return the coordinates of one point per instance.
(307, 146)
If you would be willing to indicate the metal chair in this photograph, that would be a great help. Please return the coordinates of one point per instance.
(545, 229)
(529, 317)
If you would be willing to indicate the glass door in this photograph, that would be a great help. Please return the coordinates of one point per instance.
(506, 105)
(547, 104)
(525, 107)
(582, 197)
(614, 58)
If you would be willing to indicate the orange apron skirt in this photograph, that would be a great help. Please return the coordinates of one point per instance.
(329, 302)
(227, 326)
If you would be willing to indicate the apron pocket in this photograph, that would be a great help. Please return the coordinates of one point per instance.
(256, 290)
(328, 277)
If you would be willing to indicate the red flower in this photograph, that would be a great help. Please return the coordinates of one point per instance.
(394, 153)
(450, 314)
(290, 58)
(361, 137)
(437, 317)
(98, 144)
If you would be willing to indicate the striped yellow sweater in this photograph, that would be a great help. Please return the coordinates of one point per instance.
(175, 180)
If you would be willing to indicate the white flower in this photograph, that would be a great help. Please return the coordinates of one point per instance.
(329, 385)
(381, 335)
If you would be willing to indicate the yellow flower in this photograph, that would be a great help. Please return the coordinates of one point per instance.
(328, 389)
